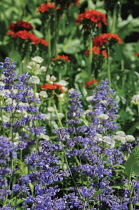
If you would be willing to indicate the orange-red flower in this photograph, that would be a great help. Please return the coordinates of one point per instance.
(53, 86)
(20, 26)
(21, 34)
(28, 36)
(61, 58)
(106, 38)
(91, 18)
(97, 51)
(90, 82)
(137, 54)
(45, 7)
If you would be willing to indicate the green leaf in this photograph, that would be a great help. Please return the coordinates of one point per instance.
(72, 46)
(132, 164)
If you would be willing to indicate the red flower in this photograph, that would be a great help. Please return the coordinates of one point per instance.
(61, 57)
(45, 7)
(91, 18)
(21, 34)
(90, 82)
(19, 26)
(28, 36)
(106, 38)
(137, 54)
(97, 51)
(53, 86)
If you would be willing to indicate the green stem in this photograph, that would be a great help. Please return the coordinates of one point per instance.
(49, 41)
(114, 19)
(108, 66)
(90, 55)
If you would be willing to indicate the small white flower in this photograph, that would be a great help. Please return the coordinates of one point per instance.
(43, 136)
(71, 90)
(61, 95)
(107, 139)
(43, 68)
(130, 138)
(103, 116)
(5, 119)
(47, 77)
(43, 94)
(135, 99)
(62, 82)
(121, 133)
(103, 102)
(122, 139)
(37, 59)
(89, 98)
(34, 80)
(53, 78)
(51, 109)
(31, 65)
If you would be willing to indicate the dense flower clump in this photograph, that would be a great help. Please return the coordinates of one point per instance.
(98, 51)
(63, 58)
(91, 18)
(45, 7)
(106, 39)
(53, 86)
(90, 82)
(19, 26)
(25, 35)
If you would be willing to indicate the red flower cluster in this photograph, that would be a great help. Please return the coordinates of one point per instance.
(45, 7)
(90, 82)
(61, 58)
(106, 38)
(53, 86)
(91, 18)
(19, 26)
(97, 51)
(137, 54)
(24, 34)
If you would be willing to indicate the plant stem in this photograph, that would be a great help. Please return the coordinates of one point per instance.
(90, 55)
(114, 19)
(108, 65)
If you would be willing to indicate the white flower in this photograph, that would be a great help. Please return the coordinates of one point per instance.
(98, 137)
(89, 98)
(62, 82)
(103, 116)
(31, 65)
(71, 90)
(43, 136)
(121, 133)
(47, 77)
(37, 59)
(61, 95)
(53, 78)
(43, 68)
(51, 109)
(43, 94)
(107, 139)
(122, 139)
(4, 119)
(34, 80)
(130, 138)
(135, 99)
(103, 102)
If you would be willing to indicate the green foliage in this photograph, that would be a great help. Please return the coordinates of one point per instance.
(132, 164)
